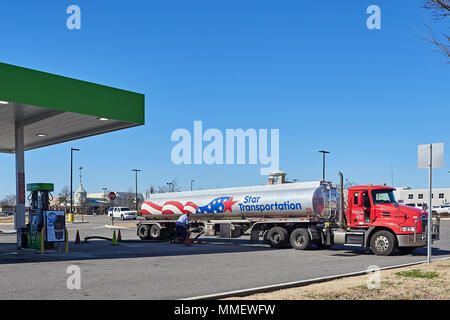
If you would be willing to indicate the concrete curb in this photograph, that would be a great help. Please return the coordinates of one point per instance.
(116, 227)
(8, 231)
(246, 292)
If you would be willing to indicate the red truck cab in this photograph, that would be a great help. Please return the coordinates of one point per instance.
(387, 225)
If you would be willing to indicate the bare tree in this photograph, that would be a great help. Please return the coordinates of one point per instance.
(171, 186)
(347, 185)
(8, 202)
(64, 195)
(440, 10)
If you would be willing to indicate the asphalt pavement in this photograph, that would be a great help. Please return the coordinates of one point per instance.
(170, 271)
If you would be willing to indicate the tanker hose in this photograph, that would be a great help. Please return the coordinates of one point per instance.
(128, 241)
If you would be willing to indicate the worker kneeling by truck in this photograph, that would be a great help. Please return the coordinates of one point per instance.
(181, 227)
(300, 214)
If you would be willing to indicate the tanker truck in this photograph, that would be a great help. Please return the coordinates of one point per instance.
(301, 214)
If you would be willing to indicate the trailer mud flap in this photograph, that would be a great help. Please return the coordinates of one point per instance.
(314, 233)
(254, 234)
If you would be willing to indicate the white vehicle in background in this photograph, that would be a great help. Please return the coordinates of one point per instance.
(443, 208)
(417, 205)
(123, 213)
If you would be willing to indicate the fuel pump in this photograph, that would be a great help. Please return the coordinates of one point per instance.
(40, 198)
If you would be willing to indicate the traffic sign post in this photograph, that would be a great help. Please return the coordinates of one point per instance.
(112, 197)
(430, 156)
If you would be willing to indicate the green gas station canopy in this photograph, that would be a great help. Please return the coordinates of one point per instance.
(55, 109)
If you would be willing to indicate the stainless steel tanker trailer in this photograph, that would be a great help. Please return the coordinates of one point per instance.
(299, 214)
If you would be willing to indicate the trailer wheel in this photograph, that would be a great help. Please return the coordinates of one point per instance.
(382, 243)
(155, 231)
(300, 239)
(277, 237)
(144, 232)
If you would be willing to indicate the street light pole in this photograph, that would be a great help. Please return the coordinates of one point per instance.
(136, 171)
(83, 205)
(323, 152)
(71, 178)
(104, 199)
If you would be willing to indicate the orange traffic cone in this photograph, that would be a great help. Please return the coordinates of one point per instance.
(77, 238)
(119, 237)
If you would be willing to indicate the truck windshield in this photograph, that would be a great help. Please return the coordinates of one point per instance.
(383, 196)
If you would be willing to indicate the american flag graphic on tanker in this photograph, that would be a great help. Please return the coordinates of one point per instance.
(217, 205)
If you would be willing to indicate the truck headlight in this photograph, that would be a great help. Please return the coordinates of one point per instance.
(407, 229)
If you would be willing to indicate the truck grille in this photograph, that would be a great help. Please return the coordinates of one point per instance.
(424, 226)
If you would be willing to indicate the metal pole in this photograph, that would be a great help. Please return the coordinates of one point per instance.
(191, 184)
(104, 199)
(19, 217)
(83, 206)
(323, 174)
(71, 180)
(430, 220)
(136, 193)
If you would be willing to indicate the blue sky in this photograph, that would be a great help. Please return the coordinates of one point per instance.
(313, 70)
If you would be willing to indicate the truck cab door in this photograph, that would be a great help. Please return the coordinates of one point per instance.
(360, 208)
(367, 207)
(356, 212)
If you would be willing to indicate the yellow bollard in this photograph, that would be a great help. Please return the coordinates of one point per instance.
(71, 217)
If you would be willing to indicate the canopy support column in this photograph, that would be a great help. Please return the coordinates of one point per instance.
(19, 217)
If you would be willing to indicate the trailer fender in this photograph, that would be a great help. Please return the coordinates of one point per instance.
(254, 232)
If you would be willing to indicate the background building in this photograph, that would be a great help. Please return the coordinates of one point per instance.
(123, 199)
(96, 202)
(406, 195)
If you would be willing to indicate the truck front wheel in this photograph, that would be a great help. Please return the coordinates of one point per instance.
(277, 237)
(300, 239)
(382, 243)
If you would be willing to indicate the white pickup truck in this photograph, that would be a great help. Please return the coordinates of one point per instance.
(443, 208)
(123, 213)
